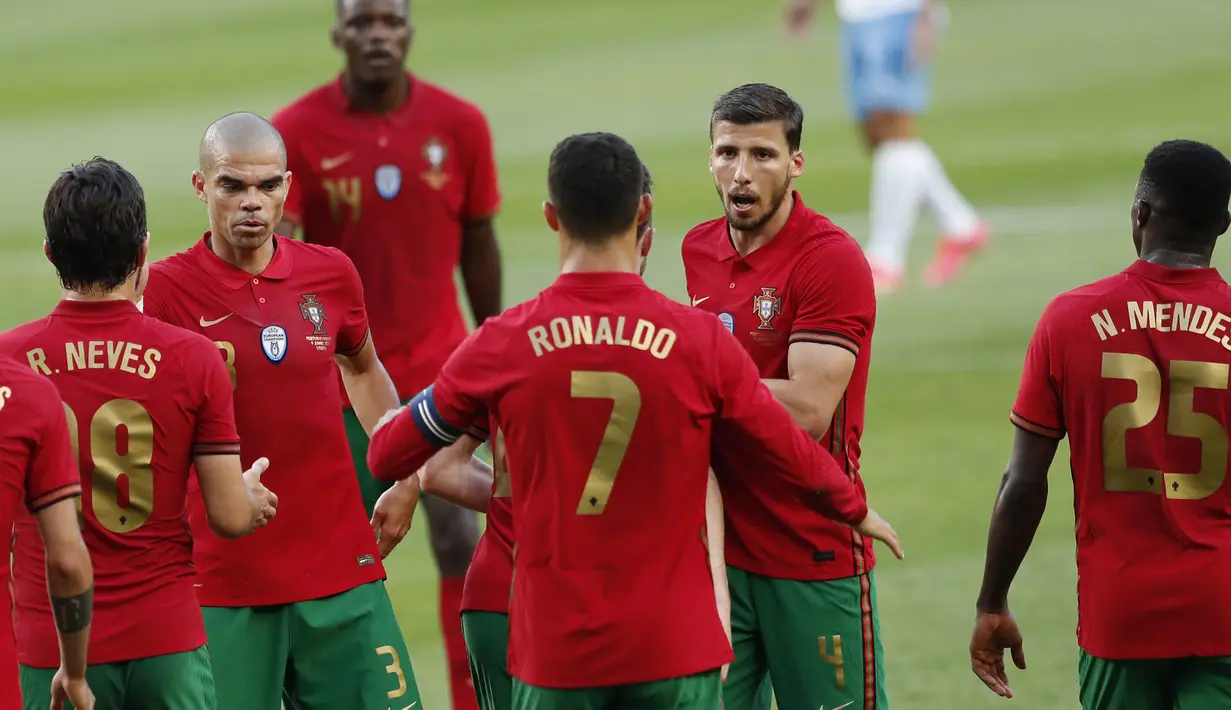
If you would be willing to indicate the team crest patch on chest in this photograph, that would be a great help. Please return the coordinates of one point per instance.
(434, 152)
(388, 181)
(273, 342)
(313, 311)
(767, 306)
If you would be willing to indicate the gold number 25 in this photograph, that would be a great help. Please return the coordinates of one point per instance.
(1186, 377)
(112, 457)
(626, 406)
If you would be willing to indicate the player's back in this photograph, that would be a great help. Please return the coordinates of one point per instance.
(606, 400)
(137, 394)
(1140, 361)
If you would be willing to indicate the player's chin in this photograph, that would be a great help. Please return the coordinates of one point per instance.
(745, 219)
(250, 236)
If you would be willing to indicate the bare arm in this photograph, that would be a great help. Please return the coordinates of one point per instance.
(481, 272)
(70, 582)
(1019, 509)
(457, 476)
(818, 376)
(368, 385)
(235, 501)
(715, 538)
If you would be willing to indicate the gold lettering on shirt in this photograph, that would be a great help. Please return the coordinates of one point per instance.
(5, 393)
(591, 331)
(1174, 317)
(38, 361)
(132, 358)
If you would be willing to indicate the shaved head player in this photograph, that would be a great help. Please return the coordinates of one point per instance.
(399, 174)
(300, 607)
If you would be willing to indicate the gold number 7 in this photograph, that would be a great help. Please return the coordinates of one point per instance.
(1185, 377)
(626, 406)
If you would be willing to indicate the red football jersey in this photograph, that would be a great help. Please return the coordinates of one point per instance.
(1134, 368)
(142, 399)
(278, 333)
(609, 396)
(489, 578)
(36, 470)
(392, 192)
(810, 284)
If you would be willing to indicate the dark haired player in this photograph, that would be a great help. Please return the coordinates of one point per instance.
(38, 474)
(145, 401)
(797, 294)
(1134, 369)
(301, 606)
(613, 601)
(455, 475)
(399, 174)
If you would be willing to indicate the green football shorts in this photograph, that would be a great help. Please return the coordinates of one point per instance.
(487, 644)
(344, 651)
(176, 681)
(701, 691)
(369, 487)
(1164, 684)
(818, 643)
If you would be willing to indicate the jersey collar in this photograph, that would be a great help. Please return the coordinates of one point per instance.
(599, 279)
(95, 309)
(769, 252)
(234, 277)
(1170, 274)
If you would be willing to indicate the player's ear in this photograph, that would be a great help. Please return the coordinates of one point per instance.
(647, 242)
(47, 252)
(644, 208)
(1226, 223)
(286, 181)
(335, 37)
(145, 250)
(1141, 214)
(198, 184)
(549, 214)
(797, 164)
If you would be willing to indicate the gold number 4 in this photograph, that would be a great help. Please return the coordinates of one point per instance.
(113, 458)
(835, 658)
(626, 406)
(395, 668)
(1182, 421)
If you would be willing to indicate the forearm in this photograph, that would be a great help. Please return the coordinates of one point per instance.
(371, 394)
(715, 538)
(481, 274)
(802, 406)
(1019, 509)
(398, 449)
(463, 481)
(71, 588)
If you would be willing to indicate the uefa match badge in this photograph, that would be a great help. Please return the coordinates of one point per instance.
(766, 306)
(728, 320)
(273, 342)
(388, 181)
(434, 152)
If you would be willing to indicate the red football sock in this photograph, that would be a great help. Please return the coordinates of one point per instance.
(460, 685)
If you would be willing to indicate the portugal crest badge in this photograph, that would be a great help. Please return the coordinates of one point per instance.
(314, 312)
(434, 152)
(766, 306)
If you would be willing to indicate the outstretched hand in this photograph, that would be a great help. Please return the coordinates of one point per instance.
(875, 527)
(268, 501)
(994, 632)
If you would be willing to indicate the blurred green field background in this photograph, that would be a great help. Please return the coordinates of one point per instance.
(1042, 112)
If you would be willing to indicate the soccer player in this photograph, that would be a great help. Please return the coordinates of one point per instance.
(609, 396)
(144, 402)
(399, 174)
(886, 53)
(1134, 369)
(37, 473)
(796, 292)
(300, 606)
(455, 475)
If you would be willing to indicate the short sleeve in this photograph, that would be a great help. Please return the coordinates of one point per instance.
(836, 302)
(482, 187)
(353, 332)
(1037, 408)
(216, 433)
(292, 209)
(52, 475)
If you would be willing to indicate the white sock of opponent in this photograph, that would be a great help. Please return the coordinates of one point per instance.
(957, 219)
(900, 175)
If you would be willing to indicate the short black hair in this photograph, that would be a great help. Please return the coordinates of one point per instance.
(595, 181)
(760, 103)
(95, 221)
(1188, 181)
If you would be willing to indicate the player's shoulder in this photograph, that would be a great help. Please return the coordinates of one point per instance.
(438, 99)
(174, 267)
(309, 107)
(27, 395)
(823, 240)
(1075, 304)
(316, 257)
(13, 341)
(702, 238)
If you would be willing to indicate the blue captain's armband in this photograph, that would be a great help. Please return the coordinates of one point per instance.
(427, 418)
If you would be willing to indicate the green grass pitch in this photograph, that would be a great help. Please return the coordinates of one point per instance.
(1042, 112)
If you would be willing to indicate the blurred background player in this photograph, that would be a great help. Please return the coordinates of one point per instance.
(1134, 369)
(796, 292)
(644, 386)
(886, 56)
(399, 174)
(169, 392)
(39, 473)
(301, 606)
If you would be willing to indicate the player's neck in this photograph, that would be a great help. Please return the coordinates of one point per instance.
(126, 292)
(379, 98)
(253, 261)
(614, 256)
(1176, 258)
(747, 241)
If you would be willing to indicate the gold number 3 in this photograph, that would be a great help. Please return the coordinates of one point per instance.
(1182, 421)
(395, 668)
(626, 406)
(117, 458)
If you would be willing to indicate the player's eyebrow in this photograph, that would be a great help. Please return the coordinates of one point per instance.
(272, 181)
